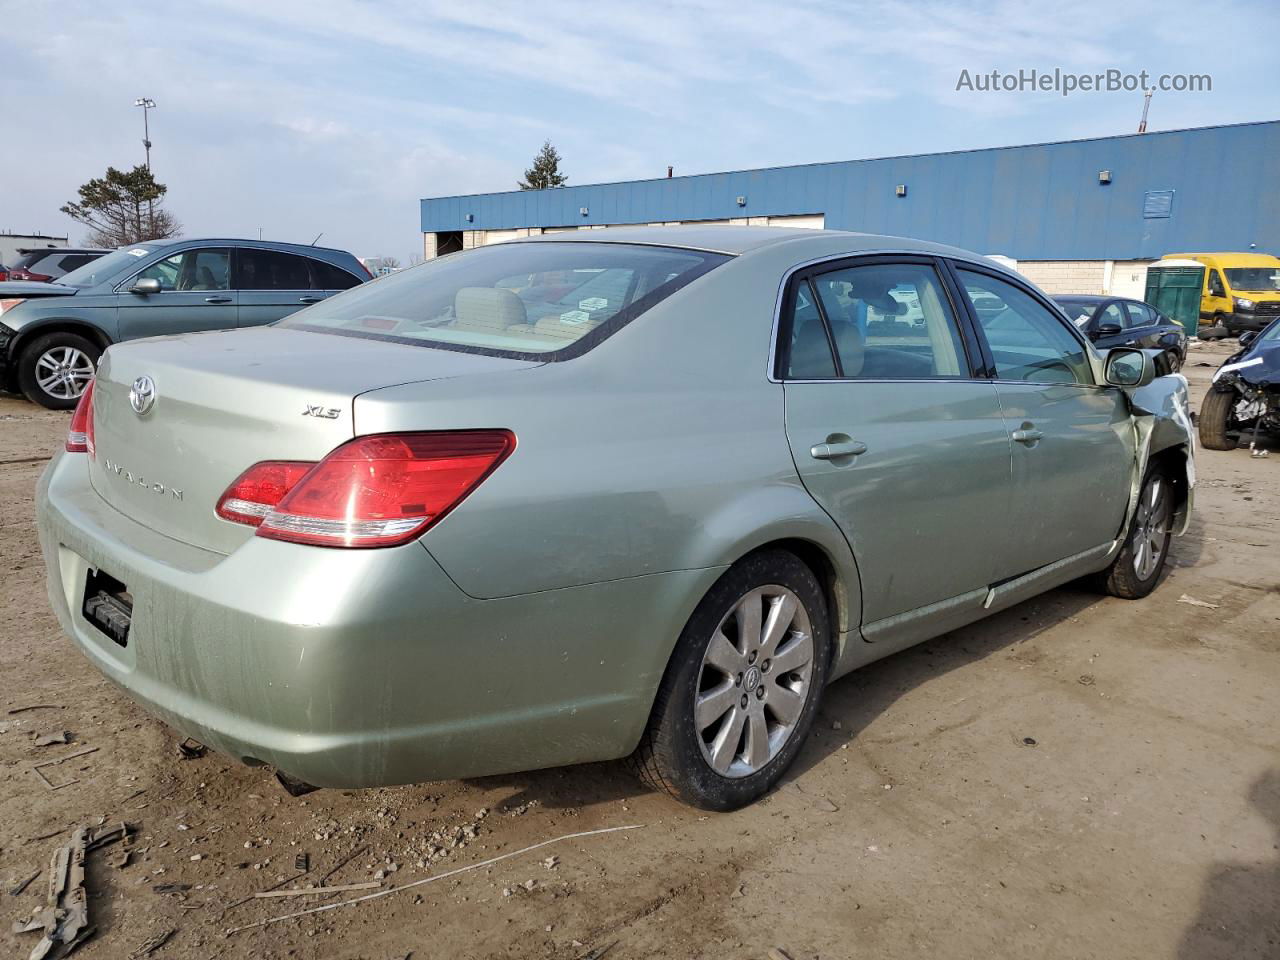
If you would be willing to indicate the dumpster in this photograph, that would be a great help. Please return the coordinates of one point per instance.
(1173, 288)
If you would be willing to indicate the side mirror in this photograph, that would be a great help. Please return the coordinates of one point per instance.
(144, 286)
(1248, 338)
(1129, 368)
(1105, 330)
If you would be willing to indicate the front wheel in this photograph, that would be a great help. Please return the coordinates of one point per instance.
(742, 687)
(1217, 419)
(1137, 567)
(54, 370)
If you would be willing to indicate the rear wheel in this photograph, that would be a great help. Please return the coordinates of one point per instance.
(55, 369)
(1217, 416)
(742, 687)
(1137, 568)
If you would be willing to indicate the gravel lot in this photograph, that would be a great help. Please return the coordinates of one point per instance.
(1142, 822)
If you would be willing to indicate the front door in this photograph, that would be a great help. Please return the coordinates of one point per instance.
(195, 294)
(892, 433)
(1074, 446)
(273, 285)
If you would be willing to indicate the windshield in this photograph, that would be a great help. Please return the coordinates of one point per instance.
(104, 268)
(1271, 333)
(1078, 310)
(1255, 279)
(512, 299)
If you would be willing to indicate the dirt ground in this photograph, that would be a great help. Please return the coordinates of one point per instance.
(1140, 820)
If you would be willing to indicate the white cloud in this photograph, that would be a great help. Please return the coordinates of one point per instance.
(336, 115)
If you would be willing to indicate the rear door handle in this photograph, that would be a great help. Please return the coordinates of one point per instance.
(836, 450)
(310, 299)
(1028, 435)
(217, 299)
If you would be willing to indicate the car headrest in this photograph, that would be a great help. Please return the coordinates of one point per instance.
(852, 346)
(811, 352)
(490, 308)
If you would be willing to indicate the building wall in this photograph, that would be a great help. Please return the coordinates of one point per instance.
(1041, 202)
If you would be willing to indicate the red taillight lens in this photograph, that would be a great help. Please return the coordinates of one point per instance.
(259, 489)
(381, 491)
(80, 436)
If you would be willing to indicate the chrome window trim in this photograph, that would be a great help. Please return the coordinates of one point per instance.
(842, 257)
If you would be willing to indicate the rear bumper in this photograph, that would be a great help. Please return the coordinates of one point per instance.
(360, 667)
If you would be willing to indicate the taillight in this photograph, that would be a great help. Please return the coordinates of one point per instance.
(80, 436)
(260, 488)
(378, 491)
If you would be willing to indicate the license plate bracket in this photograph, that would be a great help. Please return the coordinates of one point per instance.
(108, 606)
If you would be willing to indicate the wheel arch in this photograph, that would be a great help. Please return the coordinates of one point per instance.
(1177, 463)
(81, 328)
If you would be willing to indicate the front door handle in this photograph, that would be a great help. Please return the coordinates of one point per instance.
(217, 299)
(310, 299)
(835, 449)
(1028, 435)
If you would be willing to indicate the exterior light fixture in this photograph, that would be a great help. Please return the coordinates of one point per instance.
(900, 190)
(471, 218)
(583, 210)
(1104, 176)
(742, 201)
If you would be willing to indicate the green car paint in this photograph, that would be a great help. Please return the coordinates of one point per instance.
(532, 626)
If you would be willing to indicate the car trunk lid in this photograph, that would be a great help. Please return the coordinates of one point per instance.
(227, 400)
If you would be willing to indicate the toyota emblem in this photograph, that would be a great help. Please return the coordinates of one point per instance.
(142, 395)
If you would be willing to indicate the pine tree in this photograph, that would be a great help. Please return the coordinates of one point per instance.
(123, 208)
(545, 171)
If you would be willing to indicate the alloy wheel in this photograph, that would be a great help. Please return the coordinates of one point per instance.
(754, 681)
(64, 372)
(1151, 528)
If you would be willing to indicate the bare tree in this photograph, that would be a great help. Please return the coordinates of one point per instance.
(123, 207)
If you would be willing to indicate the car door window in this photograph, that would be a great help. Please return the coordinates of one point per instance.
(1139, 316)
(328, 277)
(1114, 315)
(888, 321)
(271, 270)
(1028, 341)
(810, 354)
(1216, 288)
(194, 270)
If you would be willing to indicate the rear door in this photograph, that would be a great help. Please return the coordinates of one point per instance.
(1073, 449)
(195, 294)
(272, 285)
(1143, 330)
(893, 432)
(332, 279)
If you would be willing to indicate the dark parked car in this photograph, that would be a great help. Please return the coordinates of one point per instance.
(51, 334)
(1245, 397)
(45, 264)
(1119, 322)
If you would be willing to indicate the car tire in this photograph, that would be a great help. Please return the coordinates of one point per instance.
(723, 661)
(1215, 418)
(1136, 570)
(55, 369)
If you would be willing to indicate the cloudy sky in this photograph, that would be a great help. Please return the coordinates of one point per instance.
(298, 117)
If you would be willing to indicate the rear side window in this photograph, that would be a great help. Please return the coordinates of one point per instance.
(328, 277)
(1139, 315)
(1028, 342)
(271, 270)
(549, 300)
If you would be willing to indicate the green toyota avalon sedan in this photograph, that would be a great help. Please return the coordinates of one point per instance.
(642, 493)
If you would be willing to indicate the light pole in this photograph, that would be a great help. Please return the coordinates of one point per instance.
(147, 105)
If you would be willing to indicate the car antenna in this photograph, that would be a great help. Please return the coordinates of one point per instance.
(317, 239)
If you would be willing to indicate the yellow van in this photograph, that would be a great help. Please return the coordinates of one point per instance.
(1241, 290)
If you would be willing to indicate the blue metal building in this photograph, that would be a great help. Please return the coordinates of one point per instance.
(1125, 198)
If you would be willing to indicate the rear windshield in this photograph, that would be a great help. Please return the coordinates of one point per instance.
(551, 300)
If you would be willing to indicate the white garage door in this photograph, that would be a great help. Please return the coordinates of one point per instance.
(502, 236)
(808, 221)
